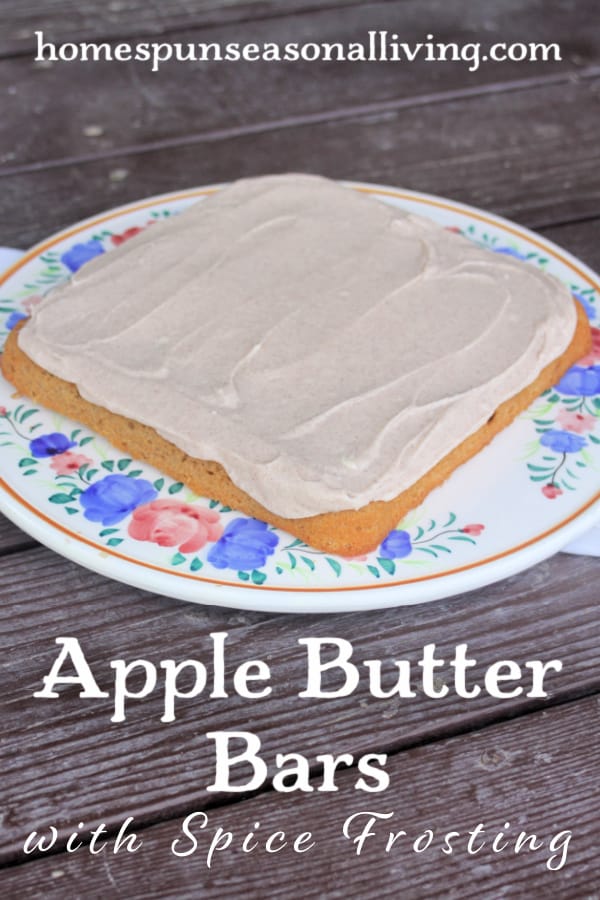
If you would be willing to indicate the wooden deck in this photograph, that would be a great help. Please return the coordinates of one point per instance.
(520, 140)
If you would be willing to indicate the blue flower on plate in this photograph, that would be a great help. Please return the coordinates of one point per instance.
(510, 251)
(50, 445)
(563, 441)
(580, 382)
(589, 309)
(245, 544)
(77, 255)
(396, 545)
(114, 497)
(13, 319)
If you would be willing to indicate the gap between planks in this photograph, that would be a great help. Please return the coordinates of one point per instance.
(302, 120)
(177, 813)
(26, 49)
(507, 624)
(451, 786)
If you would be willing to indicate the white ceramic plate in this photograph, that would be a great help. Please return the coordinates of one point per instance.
(534, 489)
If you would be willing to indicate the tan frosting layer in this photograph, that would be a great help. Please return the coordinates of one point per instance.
(325, 348)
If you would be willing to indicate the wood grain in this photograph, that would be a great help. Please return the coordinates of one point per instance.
(65, 755)
(12, 538)
(400, 147)
(518, 140)
(540, 776)
(70, 110)
(73, 20)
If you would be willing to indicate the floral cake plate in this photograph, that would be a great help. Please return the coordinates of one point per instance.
(531, 491)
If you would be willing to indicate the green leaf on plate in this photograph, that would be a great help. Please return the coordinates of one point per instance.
(334, 565)
(297, 543)
(427, 550)
(387, 564)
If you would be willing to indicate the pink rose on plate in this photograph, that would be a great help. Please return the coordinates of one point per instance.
(575, 421)
(170, 523)
(68, 463)
(593, 357)
(551, 491)
(475, 530)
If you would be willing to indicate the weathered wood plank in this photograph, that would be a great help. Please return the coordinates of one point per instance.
(532, 155)
(12, 538)
(64, 758)
(80, 108)
(466, 159)
(539, 777)
(74, 20)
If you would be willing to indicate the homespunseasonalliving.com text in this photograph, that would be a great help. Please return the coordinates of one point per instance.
(378, 46)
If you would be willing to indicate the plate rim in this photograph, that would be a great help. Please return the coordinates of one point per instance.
(340, 598)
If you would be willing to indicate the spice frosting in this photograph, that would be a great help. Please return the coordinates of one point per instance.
(327, 349)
